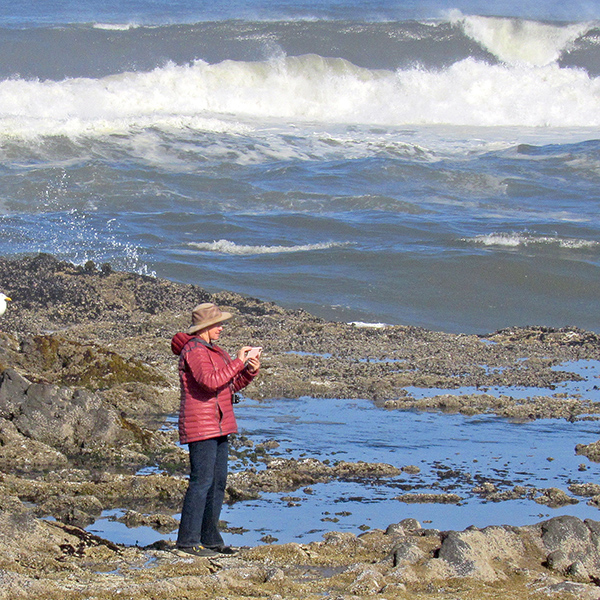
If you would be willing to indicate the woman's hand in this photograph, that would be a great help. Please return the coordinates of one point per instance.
(242, 353)
(253, 365)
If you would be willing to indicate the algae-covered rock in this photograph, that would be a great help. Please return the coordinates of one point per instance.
(592, 451)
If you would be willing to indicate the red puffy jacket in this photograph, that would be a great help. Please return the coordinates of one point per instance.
(209, 377)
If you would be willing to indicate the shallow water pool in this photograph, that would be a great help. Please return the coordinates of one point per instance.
(454, 453)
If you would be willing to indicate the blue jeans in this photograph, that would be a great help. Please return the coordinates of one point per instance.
(203, 500)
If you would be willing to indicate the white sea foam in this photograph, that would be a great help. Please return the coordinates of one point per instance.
(231, 96)
(515, 240)
(363, 325)
(115, 26)
(518, 41)
(227, 247)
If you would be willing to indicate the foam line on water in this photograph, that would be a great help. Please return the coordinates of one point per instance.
(515, 240)
(228, 247)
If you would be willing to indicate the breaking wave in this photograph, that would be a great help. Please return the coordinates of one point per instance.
(517, 41)
(515, 240)
(227, 247)
(309, 89)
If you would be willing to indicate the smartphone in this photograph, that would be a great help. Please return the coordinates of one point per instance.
(254, 352)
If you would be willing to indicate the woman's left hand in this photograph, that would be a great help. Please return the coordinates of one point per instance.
(253, 365)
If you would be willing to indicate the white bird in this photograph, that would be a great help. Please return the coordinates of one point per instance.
(3, 300)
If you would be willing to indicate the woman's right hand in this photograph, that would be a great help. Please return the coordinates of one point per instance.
(242, 353)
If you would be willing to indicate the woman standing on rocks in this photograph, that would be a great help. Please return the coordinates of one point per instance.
(209, 380)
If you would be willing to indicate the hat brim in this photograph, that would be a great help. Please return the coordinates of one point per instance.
(224, 316)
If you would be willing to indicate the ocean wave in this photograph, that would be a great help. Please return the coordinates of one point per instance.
(227, 247)
(115, 26)
(309, 89)
(58, 53)
(515, 240)
(517, 41)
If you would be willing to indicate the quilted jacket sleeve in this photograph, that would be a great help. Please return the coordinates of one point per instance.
(206, 375)
(242, 379)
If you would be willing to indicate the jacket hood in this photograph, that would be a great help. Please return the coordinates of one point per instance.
(179, 340)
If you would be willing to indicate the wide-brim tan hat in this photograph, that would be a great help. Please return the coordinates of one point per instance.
(205, 315)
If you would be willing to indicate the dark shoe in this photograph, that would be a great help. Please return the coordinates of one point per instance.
(227, 550)
(198, 551)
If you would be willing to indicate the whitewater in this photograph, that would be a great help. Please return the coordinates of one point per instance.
(467, 71)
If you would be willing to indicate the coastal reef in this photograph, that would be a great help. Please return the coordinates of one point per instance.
(87, 379)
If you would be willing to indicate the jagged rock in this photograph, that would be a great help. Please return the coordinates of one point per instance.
(161, 523)
(585, 489)
(478, 553)
(408, 552)
(18, 451)
(592, 451)
(459, 554)
(63, 418)
(572, 546)
(80, 510)
(13, 388)
(368, 581)
(491, 493)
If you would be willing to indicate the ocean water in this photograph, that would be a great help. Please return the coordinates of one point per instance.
(420, 163)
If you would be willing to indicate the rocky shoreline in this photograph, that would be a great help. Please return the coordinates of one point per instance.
(87, 379)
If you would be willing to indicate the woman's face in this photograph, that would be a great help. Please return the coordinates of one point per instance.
(214, 332)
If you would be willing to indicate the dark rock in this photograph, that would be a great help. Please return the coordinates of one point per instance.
(430, 498)
(572, 546)
(458, 553)
(63, 418)
(13, 388)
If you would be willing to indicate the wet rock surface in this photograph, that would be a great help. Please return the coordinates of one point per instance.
(87, 379)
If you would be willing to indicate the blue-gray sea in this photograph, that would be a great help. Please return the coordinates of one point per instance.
(420, 163)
